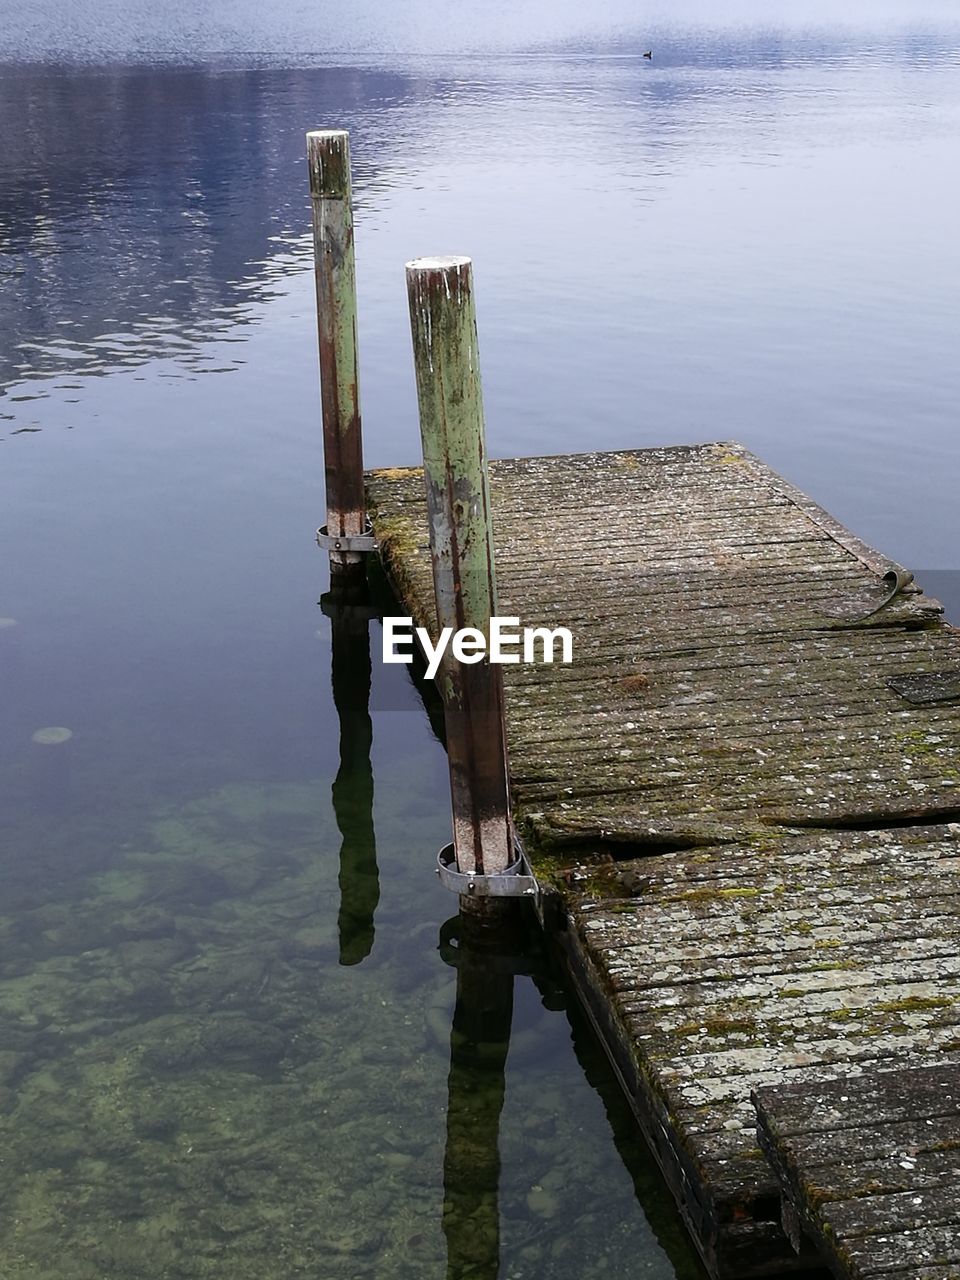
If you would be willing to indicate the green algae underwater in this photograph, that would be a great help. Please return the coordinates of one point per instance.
(210, 1069)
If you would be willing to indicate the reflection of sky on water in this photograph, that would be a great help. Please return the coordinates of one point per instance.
(749, 236)
(167, 210)
(179, 29)
(177, 203)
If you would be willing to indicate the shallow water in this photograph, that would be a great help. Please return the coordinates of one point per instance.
(201, 1081)
(226, 1005)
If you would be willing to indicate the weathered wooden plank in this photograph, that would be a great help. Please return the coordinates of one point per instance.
(870, 1166)
(941, 1271)
(890, 1212)
(886, 1098)
(887, 1157)
(789, 963)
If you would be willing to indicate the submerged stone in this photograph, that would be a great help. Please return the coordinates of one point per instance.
(52, 736)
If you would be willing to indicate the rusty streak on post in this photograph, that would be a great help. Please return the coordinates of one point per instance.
(444, 329)
(328, 159)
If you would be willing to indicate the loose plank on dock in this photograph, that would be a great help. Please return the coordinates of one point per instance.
(870, 1168)
(699, 787)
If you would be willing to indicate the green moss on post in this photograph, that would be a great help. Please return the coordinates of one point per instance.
(444, 327)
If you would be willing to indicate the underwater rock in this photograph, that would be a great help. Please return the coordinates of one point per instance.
(189, 884)
(54, 736)
(157, 955)
(150, 994)
(10, 1065)
(396, 1159)
(354, 1239)
(146, 922)
(314, 943)
(227, 1041)
(17, 1038)
(243, 1183)
(542, 1202)
(241, 1042)
(93, 1029)
(225, 976)
(100, 996)
(172, 1044)
(158, 1125)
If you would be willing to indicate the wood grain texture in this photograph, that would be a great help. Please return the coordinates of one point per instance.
(446, 360)
(871, 1166)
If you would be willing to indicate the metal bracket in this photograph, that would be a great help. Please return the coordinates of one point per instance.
(347, 541)
(518, 881)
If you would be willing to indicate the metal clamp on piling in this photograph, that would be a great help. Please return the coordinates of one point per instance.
(516, 881)
(347, 541)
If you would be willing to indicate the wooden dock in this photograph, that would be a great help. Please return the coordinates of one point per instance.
(871, 1169)
(741, 794)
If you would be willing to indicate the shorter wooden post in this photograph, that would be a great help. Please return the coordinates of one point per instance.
(328, 158)
(461, 545)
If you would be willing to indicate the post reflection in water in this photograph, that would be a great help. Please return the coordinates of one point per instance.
(479, 1040)
(350, 611)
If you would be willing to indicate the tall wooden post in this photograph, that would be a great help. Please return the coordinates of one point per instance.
(328, 158)
(444, 328)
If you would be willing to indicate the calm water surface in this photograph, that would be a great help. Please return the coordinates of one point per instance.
(226, 985)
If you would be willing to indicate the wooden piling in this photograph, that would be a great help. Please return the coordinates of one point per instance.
(444, 328)
(328, 158)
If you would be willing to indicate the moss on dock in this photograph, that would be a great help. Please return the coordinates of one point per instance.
(717, 791)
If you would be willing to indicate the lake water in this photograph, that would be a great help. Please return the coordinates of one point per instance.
(226, 988)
